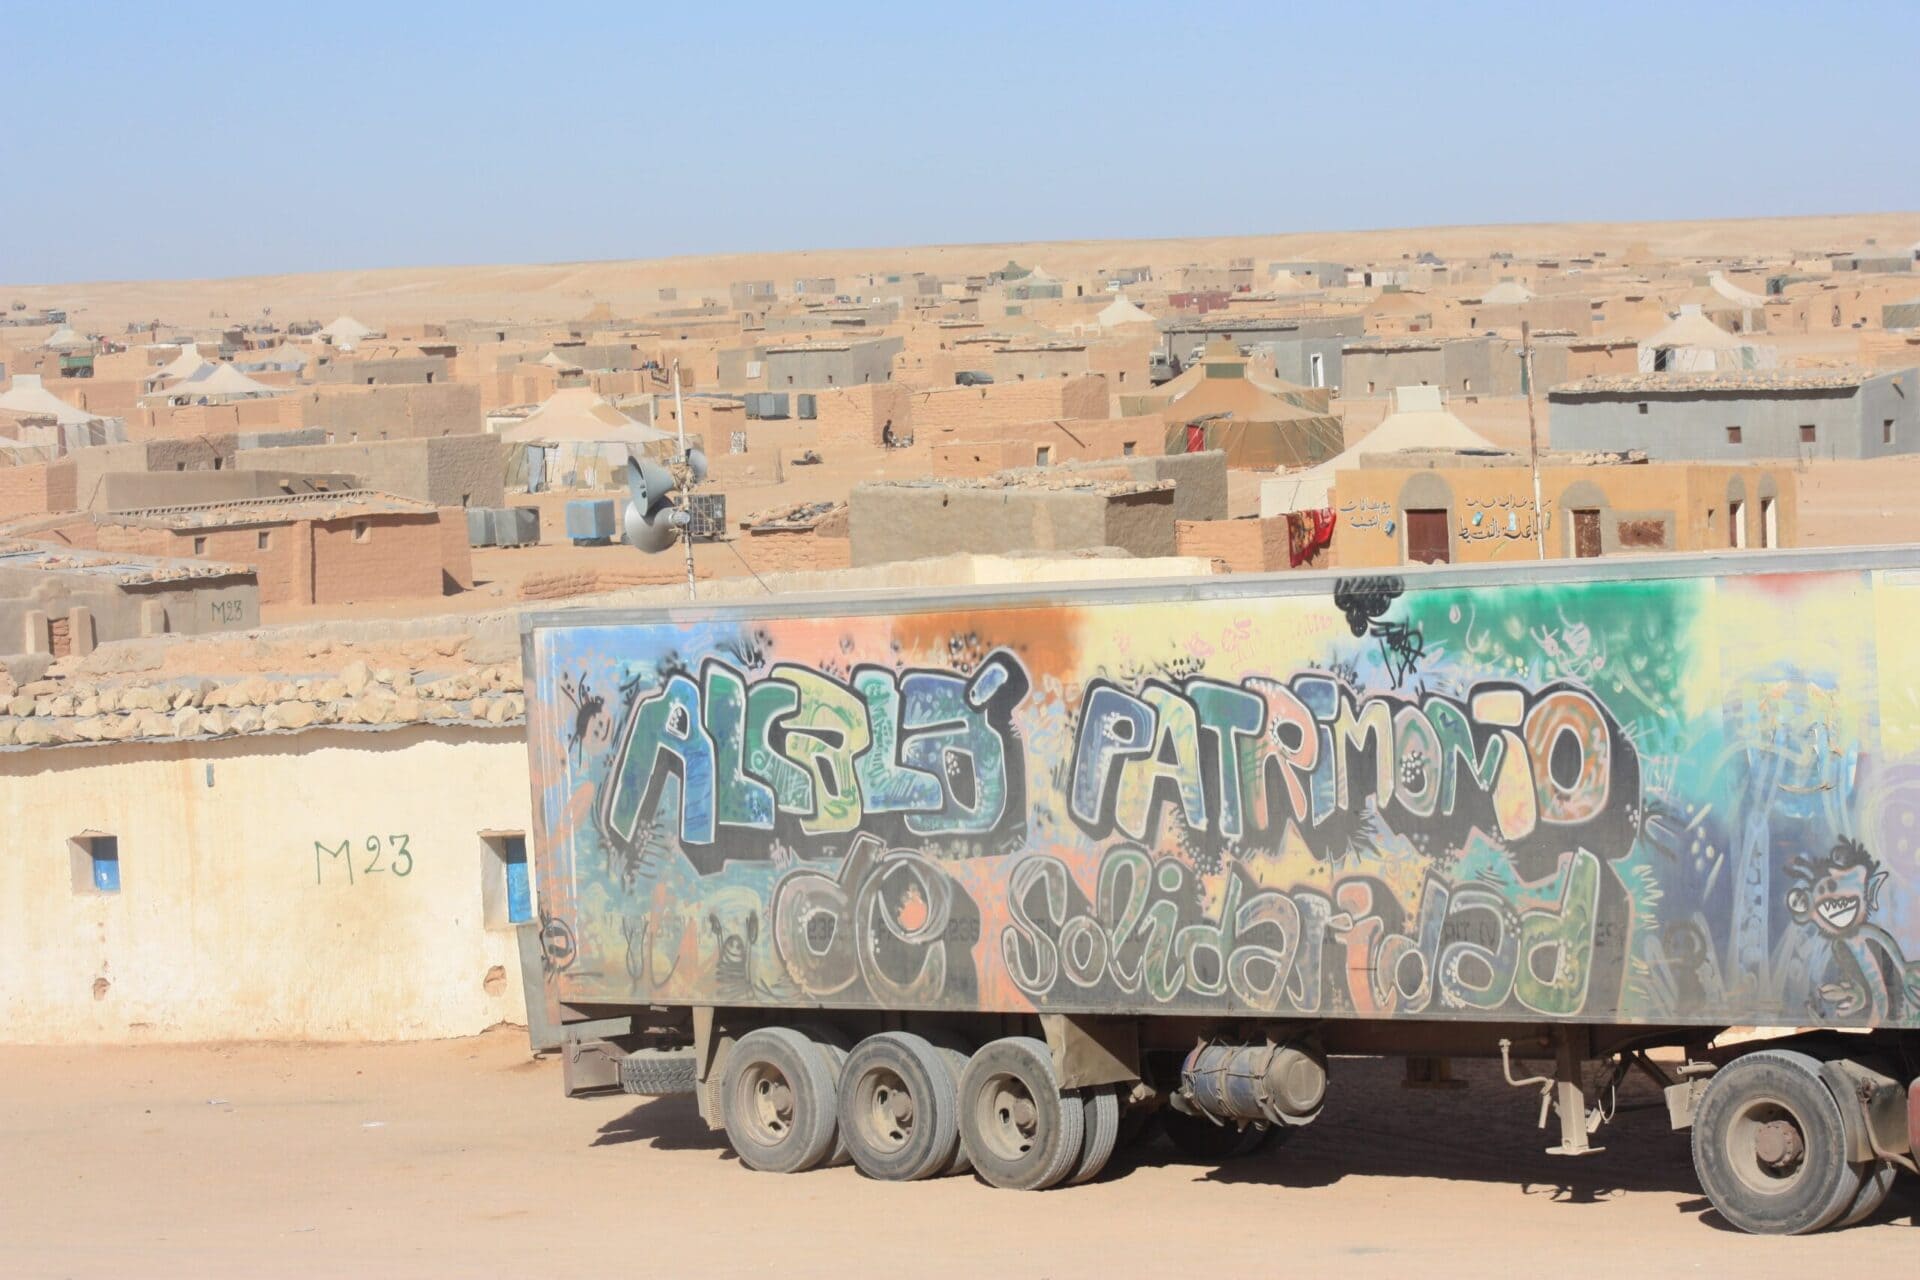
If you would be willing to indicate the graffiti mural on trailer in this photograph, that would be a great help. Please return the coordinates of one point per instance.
(1620, 801)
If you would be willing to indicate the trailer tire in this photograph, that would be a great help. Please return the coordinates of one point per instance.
(1100, 1125)
(778, 1101)
(1200, 1139)
(1875, 1187)
(899, 1108)
(654, 1073)
(956, 1051)
(1769, 1146)
(1021, 1131)
(834, 1045)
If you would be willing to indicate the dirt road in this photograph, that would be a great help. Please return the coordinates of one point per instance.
(462, 1159)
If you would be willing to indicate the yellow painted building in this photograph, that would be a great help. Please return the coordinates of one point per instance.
(1446, 508)
(327, 885)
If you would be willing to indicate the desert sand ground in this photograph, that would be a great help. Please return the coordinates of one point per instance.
(462, 1158)
(564, 291)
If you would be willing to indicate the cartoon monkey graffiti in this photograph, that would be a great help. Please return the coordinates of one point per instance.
(1867, 974)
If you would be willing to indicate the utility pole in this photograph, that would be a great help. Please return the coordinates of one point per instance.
(680, 421)
(1533, 436)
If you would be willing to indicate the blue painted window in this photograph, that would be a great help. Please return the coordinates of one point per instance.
(513, 852)
(105, 853)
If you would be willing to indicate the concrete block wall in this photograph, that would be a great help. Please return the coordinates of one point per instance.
(398, 558)
(912, 522)
(448, 471)
(1251, 545)
(173, 422)
(393, 413)
(852, 417)
(957, 408)
(24, 490)
(794, 550)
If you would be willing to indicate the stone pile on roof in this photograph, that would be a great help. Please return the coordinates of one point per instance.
(801, 516)
(52, 711)
(124, 568)
(1726, 381)
(1032, 480)
(339, 505)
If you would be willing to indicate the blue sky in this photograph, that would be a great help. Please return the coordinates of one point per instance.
(167, 140)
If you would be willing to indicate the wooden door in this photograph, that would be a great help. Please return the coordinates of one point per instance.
(1586, 534)
(1427, 540)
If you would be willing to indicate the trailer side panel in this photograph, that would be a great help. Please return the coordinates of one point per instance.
(1690, 799)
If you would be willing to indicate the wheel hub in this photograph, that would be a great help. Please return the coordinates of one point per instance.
(1779, 1146)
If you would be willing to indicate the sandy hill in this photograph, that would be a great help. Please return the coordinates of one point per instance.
(563, 291)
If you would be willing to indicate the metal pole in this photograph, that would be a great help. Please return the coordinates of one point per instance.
(1533, 437)
(686, 473)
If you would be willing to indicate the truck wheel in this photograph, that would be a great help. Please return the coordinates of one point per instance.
(1100, 1125)
(1770, 1148)
(899, 1108)
(1198, 1138)
(1020, 1130)
(833, 1045)
(778, 1102)
(956, 1051)
(1874, 1189)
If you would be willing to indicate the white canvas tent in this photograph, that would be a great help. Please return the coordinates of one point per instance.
(1691, 343)
(1506, 294)
(576, 440)
(1122, 311)
(65, 339)
(58, 427)
(185, 365)
(345, 331)
(1419, 420)
(1732, 292)
(214, 384)
(29, 397)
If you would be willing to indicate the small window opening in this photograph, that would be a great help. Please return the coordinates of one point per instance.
(1808, 434)
(200, 546)
(506, 885)
(362, 530)
(263, 540)
(96, 862)
(1043, 455)
(1733, 435)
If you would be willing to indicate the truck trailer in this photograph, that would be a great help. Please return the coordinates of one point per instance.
(989, 879)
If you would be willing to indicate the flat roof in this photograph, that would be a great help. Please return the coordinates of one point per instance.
(1728, 382)
(345, 504)
(125, 568)
(1253, 323)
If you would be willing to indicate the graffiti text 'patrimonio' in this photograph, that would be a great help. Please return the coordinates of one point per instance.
(1219, 752)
